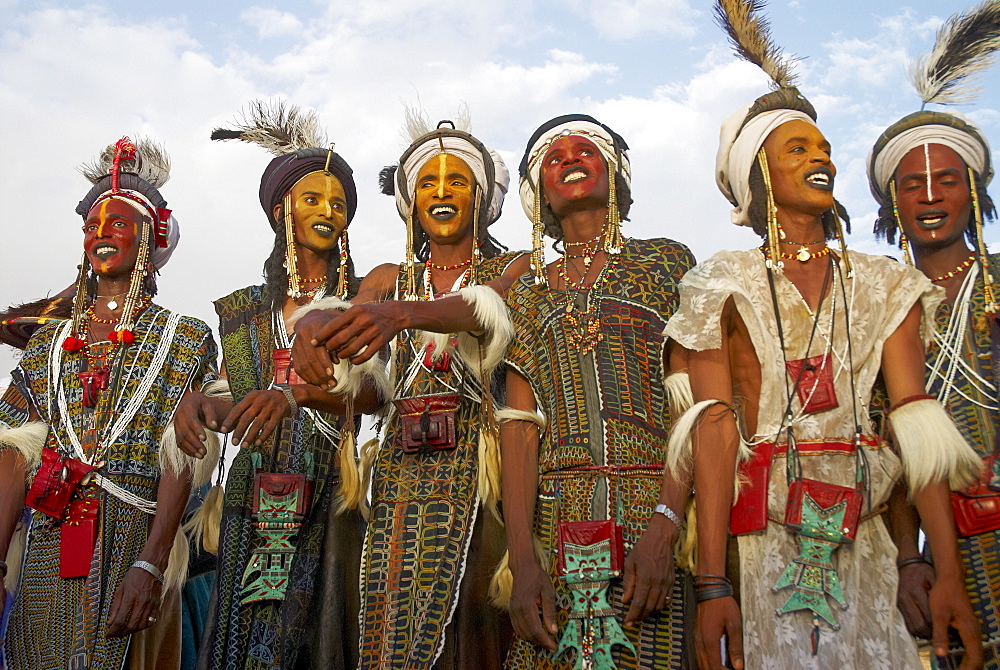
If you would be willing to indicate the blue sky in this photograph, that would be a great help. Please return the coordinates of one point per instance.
(75, 77)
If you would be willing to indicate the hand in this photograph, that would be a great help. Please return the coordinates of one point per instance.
(310, 358)
(718, 617)
(256, 417)
(533, 589)
(649, 571)
(3, 597)
(195, 412)
(915, 582)
(950, 607)
(136, 601)
(363, 330)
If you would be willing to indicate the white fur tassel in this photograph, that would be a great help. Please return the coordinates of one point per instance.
(206, 523)
(366, 465)
(351, 493)
(172, 459)
(506, 414)
(489, 469)
(29, 440)
(490, 313)
(502, 583)
(931, 447)
(352, 379)
(177, 566)
(680, 452)
(218, 388)
(15, 558)
(323, 303)
(677, 387)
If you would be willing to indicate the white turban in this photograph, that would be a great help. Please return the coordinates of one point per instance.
(973, 150)
(470, 154)
(599, 136)
(738, 149)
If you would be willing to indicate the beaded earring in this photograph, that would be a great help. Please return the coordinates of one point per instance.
(773, 260)
(613, 222)
(411, 272)
(903, 242)
(984, 265)
(291, 260)
(537, 248)
(345, 258)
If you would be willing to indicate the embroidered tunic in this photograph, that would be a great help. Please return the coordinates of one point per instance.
(602, 455)
(430, 549)
(60, 623)
(316, 621)
(872, 634)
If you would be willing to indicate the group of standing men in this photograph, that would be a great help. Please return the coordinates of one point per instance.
(551, 433)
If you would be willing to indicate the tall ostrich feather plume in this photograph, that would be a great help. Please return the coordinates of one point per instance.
(750, 35)
(151, 163)
(963, 49)
(417, 124)
(279, 127)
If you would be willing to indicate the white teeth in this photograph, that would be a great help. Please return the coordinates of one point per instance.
(934, 219)
(574, 176)
(322, 226)
(818, 179)
(442, 208)
(102, 250)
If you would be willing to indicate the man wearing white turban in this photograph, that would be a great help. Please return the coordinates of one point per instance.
(81, 432)
(784, 343)
(929, 172)
(433, 537)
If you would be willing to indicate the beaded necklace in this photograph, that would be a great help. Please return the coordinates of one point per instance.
(960, 268)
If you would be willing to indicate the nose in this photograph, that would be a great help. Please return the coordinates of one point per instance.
(328, 209)
(931, 195)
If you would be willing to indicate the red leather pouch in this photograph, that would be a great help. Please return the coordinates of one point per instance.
(77, 535)
(749, 513)
(55, 482)
(977, 507)
(278, 487)
(815, 383)
(825, 496)
(284, 373)
(587, 533)
(428, 421)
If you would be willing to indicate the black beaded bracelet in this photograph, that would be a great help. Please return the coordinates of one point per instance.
(3, 569)
(913, 560)
(712, 592)
(721, 578)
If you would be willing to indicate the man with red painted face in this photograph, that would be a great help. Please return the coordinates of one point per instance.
(591, 515)
(289, 553)
(929, 172)
(85, 441)
(433, 536)
(784, 344)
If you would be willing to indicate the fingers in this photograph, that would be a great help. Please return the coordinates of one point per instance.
(209, 415)
(345, 328)
(734, 638)
(116, 616)
(641, 605)
(939, 636)
(968, 630)
(312, 363)
(548, 598)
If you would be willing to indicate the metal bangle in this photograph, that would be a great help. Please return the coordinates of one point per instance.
(150, 568)
(912, 560)
(712, 578)
(703, 593)
(289, 396)
(670, 514)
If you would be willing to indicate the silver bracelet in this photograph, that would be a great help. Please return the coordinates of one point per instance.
(669, 513)
(289, 396)
(150, 568)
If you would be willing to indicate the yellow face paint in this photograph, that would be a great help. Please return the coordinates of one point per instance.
(103, 217)
(442, 171)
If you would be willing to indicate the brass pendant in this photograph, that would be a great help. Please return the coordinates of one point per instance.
(112, 305)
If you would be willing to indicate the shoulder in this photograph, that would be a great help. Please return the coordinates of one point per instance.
(240, 298)
(507, 262)
(727, 265)
(885, 270)
(379, 284)
(190, 326)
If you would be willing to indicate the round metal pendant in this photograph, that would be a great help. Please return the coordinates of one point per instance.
(112, 305)
(803, 255)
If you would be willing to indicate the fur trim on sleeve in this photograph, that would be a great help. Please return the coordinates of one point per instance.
(352, 379)
(496, 331)
(28, 440)
(173, 459)
(322, 303)
(931, 447)
(680, 452)
(506, 414)
(677, 386)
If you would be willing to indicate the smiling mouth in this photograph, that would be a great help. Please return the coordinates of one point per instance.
(323, 229)
(821, 178)
(574, 174)
(931, 219)
(442, 212)
(103, 251)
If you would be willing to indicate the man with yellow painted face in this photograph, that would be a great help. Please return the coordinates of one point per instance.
(84, 432)
(433, 537)
(288, 552)
(929, 172)
(784, 343)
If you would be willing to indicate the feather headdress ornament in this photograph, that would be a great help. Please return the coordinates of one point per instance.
(149, 161)
(279, 127)
(963, 50)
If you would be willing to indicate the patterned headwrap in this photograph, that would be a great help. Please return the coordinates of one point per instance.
(283, 172)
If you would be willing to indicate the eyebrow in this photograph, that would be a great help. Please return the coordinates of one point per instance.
(318, 194)
(944, 172)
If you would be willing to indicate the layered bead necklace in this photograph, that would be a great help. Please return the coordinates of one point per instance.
(584, 324)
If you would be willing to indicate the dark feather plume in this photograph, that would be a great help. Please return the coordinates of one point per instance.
(279, 127)
(750, 35)
(387, 180)
(964, 49)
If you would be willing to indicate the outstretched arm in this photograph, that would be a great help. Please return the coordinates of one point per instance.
(532, 589)
(903, 369)
(12, 491)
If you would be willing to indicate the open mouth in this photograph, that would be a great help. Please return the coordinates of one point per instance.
(323, 229)
(103, 251)
(442, 212)
(574, 174)
(931, 219)
(821, 178)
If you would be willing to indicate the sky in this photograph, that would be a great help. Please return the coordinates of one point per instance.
(75, 77)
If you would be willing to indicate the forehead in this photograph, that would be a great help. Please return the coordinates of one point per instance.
(570, 143)
(319, 182)
(117, 208)
(452, 165)
(939, 156)
(795, 129)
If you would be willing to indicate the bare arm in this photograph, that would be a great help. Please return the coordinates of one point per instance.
(532, 585)
(12, 492)
(903, 368)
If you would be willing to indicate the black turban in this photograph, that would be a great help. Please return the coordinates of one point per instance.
(282, 173)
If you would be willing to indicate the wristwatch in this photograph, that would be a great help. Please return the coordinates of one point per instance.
(287, 391)
(669, 513)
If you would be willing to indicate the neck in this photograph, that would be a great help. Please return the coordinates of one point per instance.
(939, 262)
(311, 264)
(800, 228)
(583, 225)
(451, 254)
(111, 286)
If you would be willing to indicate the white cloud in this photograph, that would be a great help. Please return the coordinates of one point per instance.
(628, 19)
(271, 23)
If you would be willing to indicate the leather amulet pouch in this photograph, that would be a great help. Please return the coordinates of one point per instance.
(587, 534)
(825, 500)
(77, 536)
(284, 373)
(749, 513)
(428, 422)
(55, 482)
(272, 489)
(815, 383)
(977, 507)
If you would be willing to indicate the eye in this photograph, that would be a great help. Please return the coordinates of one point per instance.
(311, 200)
(338, 207)
(554, 159)
(586, 152)
(797, 150)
